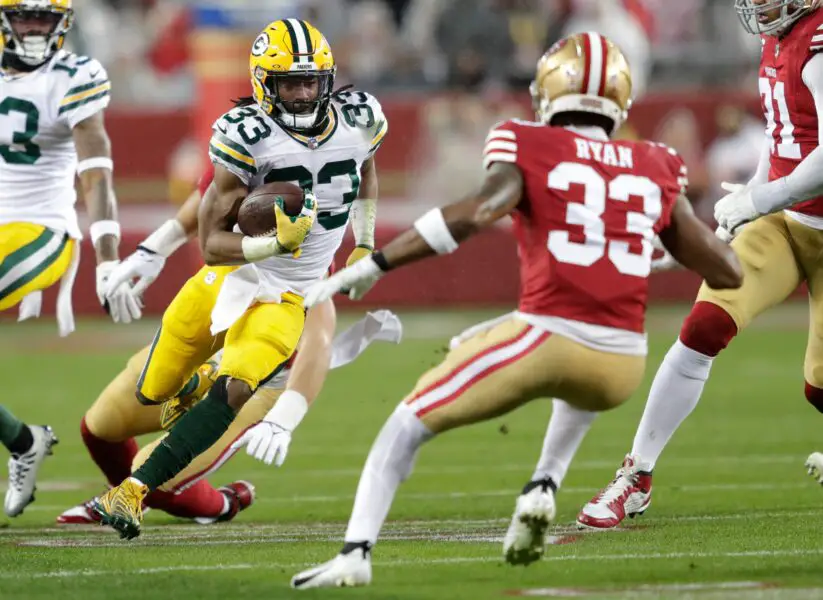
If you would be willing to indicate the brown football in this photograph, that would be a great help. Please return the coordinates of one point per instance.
(256, 214)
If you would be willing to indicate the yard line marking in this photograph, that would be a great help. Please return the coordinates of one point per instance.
(416, 562)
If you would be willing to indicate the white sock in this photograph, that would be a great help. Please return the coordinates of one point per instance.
(389, 463)
(568, 426)
(675, 391)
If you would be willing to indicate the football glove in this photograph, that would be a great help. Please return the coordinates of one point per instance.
(266, 441)
(291, 231)
(360, 252)
(120, 302)
(143, 265)
(735, 208)
(359, 278)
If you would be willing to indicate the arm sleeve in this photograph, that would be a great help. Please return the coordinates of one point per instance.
(806, 181)
(226, 148)
(761, 174)
(88, 93)
(501, 145)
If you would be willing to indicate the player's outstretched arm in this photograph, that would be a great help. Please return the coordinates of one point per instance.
(439, 231)
(217, 217)
(693, 245)
(94, 167)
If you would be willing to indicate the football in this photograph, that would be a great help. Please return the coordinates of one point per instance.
(256, 214)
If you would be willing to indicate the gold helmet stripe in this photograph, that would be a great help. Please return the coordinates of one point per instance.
(594, 78)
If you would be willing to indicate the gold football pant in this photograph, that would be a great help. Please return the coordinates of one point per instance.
(32, 258)
(117, 416)
(255, 346)
(502, 368)
(777, 254)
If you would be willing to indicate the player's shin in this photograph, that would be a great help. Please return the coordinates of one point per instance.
(567, 428)
(196, 431)
(389, 463)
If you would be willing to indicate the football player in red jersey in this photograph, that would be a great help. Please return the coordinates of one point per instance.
(776, 219)
(585, 212)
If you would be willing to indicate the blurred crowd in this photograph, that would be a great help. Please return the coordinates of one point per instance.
(472, 45)
(479, 53)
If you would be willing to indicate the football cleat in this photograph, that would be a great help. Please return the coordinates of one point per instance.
(240, 495)
(525, 539)
(84, 514)
(23, 470)
(122, 508)
(350, 568)
(814, 466)
(629, 494)
(202, 381)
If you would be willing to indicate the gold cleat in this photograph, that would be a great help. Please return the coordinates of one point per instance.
(122, 508)
(180, 405)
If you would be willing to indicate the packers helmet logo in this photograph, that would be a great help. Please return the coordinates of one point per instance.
(261, 44)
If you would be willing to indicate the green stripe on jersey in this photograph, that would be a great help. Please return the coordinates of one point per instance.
(82, 102)
(229, 160)
(84, 87)
(21, 254)
(226, 141)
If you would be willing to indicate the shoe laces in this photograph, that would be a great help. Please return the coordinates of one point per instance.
(18, 469)
(624, 480)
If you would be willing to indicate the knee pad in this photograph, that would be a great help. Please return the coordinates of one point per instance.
(708, 329)
(815, 396)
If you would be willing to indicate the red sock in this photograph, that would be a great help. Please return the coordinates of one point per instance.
(200, 500)
(113, 458)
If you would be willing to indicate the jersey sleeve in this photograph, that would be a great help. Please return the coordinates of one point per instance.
(379, 128)
(678, 184)
(88, 91)
(501, 145)
(227, 147)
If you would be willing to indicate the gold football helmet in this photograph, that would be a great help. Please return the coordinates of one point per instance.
(292, 51)
(584, 72)
(33, 30)
(772, 16)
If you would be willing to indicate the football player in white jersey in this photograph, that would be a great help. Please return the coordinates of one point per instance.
(51, 128)
(294, 130)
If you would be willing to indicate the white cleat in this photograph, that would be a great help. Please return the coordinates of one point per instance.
(23, 470)
(814, 466)
(345, 570)
(628, 495)
(525, 540)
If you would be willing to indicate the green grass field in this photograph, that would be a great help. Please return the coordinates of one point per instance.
(733, 513)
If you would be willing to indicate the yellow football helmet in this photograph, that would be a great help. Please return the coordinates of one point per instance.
(584, 72)
(33, 30)
(291, 51)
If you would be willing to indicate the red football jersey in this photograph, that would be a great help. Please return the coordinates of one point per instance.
(585, 225)
(788, 106)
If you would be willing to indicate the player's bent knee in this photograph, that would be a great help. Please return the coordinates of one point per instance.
(708, 329)
(815, 396)
(238, 393)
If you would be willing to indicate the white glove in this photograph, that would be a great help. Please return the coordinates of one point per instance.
(269, 440)
(143, 265)
(266, 441)
(666, 261)
(724, 235)
(358, 279)
(120, 302)
(735, 208)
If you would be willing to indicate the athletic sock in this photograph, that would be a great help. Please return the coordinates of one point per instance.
(389, 463)
(193, 434)
(114, 459)
(674, 394)
(568, 426)
(199, 500)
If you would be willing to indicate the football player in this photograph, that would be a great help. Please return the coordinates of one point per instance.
(51, 128)
(109, 427)
(585, 212)
(294, 129)
(776, 219)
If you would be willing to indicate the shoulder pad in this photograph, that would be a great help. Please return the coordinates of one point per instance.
(362, 110)
(234, 137)
(86, 89)
(675, 163)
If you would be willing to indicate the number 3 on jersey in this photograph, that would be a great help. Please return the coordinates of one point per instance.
(590, 214)
(786, 147)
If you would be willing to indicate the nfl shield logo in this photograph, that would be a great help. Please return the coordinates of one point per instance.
(312, 143)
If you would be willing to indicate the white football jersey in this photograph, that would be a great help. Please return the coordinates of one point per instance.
(38, 111)
(258, 149)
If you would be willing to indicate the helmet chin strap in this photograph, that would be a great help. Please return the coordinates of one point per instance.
(12, 60)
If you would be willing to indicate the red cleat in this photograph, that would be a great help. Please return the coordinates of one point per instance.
(629, 494)
(240, 495)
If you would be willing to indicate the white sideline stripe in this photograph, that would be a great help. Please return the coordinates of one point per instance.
(414, 563)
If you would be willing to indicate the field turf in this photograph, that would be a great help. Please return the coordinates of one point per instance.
(733, 513)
